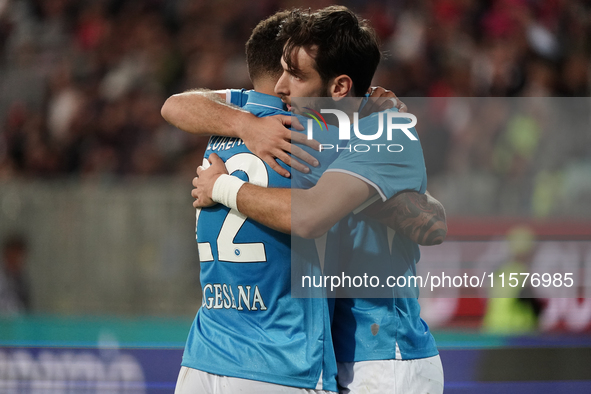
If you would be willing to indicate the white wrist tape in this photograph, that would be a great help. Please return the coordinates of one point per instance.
(225, 190)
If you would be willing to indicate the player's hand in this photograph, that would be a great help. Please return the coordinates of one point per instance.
(380, 100)
(203, 182)
(270, 139)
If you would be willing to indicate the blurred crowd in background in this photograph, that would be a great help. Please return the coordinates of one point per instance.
(82, 82)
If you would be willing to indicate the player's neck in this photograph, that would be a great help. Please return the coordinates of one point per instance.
(265, 86)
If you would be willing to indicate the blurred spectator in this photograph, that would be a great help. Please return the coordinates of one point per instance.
(14, 288)
(513, 309)
(81, 82)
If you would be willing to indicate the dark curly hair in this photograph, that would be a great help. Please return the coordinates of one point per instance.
(264, 48)
(344, 44)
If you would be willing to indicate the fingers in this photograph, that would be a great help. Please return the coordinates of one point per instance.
(287, 148)
(379, 91)
(199, 204)
(397, 102)
(194, 194)
(270, 160)
(295, 123)
(214, 159)
(301, 154)
(296, 165)
(378, 96)
(201, 200)
(382, 99)
(287, 159)
(204, 166)
(284, 119)
(301, 138)
(281, 152)
(289, 121)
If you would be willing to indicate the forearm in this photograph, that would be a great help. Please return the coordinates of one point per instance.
(268, 206)
(204, 113)
(275, 208)
(419, 217)
(307, 213)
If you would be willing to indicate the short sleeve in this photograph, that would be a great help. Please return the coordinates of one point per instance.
(390, 165)
(238, 97)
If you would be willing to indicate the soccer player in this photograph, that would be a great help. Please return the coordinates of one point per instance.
(249, 335)
(381, 344)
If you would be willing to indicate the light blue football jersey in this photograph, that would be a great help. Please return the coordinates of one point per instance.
(248, 325)
(379, 328)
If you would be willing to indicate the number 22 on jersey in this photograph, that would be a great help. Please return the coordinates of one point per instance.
(252, 252)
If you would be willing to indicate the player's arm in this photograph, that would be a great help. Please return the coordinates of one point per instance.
(186, 111)
(307, 213)
(311, 212)
(419, 217)
(205, 113)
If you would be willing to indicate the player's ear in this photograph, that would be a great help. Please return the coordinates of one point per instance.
(341, 86)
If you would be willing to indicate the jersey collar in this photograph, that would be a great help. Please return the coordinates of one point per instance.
(264, 100)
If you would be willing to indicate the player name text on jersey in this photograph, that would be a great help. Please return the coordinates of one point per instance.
(221, 296)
